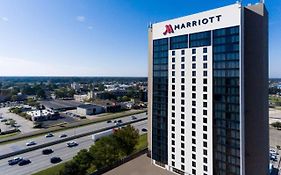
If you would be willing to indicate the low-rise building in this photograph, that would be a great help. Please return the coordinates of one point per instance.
(41, 115)
(89, 109)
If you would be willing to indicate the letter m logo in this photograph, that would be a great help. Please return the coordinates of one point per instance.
(169, 29)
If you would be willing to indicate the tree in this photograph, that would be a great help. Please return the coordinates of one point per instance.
(40, 93)
(126, 139)
(84, 160)
(104, 152)
(70, 168)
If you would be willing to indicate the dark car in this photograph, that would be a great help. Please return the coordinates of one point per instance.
(109, 121)
(55, 160)
(24, 162)
(119, 121)
(134, 117)
(14, 161)
(49, 135)
(47, 151)
(63, 136)
(144, 130)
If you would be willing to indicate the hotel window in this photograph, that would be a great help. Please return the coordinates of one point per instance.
(182, 73)
(173, 73)
(205, 160)
(205, 96)
(204, 128)
(173, 59)
(194, 141)
(173, 101)
(182, 166)
(193, 164)
(173, 114)
(193, 103)
(173, 87)
(205, 144)
(182, 52)
(205, 88)
(193, 88)
(193, 118)
(182, 66)
(204, 120)
(182, 59)
(182, 145)
(182, 109)
(200, 39)
(173, 135)
(193, 111)
(193, 171)
(182, 160)
(173, 66)
(173, 142)
(193, 80)
(173, 156)
(182, 152)
(193, 58)
(182, 80)
(182, 138)
(193, 73)
(182, 123)
(193, 148)
(193, 51)
(182, 102)
(182, 116)
(193, 156)
(205, 50)
(173, 53)
(173, 128)
(205, 104)
(182, 87)
(205, 81)
(193, 95)
(173, 107)
(204, 112)
(173, 149)
(182, 130)
(205, 74)
(173, 94)
(182, 94)
(193, 133)
(193, 126)
(173, 163)
(193, 66)
(173, 80)
(204, 136)
(204, 65)
(205, 168)
(205, 152)
(204, 57)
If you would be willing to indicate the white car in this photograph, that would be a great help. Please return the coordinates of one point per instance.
(71, 144)
(30, 143)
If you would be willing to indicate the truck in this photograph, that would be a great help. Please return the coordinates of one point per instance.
(99, 135)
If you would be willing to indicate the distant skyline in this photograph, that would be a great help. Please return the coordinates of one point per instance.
(97, 37)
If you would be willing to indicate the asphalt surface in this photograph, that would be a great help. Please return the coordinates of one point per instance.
(19, 145)
(41, 162)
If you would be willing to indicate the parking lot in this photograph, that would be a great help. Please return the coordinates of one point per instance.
(25, 126)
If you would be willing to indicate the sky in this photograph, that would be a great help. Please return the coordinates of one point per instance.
(98, 37)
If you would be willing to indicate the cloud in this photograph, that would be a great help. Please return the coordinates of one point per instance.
(90, 27)
(80, 18)
(5, 19)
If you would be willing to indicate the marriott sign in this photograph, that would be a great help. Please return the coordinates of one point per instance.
(170, 29)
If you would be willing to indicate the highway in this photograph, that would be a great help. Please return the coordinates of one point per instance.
(19, 145)
(40, 162)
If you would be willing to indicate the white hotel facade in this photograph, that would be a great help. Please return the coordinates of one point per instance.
(208, 75)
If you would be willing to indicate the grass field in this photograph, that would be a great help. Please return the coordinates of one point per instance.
(9, 135)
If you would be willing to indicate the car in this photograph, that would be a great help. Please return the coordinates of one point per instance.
(47, 151)
(49, 135)
(134, 117)
(115, 121)
(119, 121)
(4, 120)
(63, 135)
(144, 130)
(71, 144)
(15, 160)
(30, 143)
(108, 121)
(24, 162)
(55, 160)
(272, 151)
(273, 157)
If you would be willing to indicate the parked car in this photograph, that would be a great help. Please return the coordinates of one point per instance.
(30, 143)
(119, 121)
(24, 162)
(144, 130)
(71, 144)
(49, 135)
(55, 160)
(47, 151)
(109, 121)
(134, 117)
(15, 160)
(63, 135)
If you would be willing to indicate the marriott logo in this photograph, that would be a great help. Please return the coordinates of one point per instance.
(170, 29)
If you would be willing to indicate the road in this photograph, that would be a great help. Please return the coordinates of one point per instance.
(19, 145)
(40, 162)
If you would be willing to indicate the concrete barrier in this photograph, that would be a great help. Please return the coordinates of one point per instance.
(66, 139)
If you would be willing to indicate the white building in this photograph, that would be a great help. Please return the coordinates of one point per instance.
(89, 109)
(41, 115)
